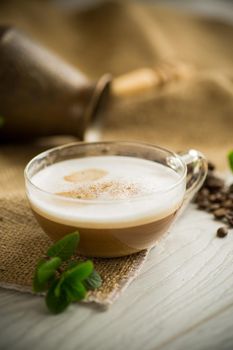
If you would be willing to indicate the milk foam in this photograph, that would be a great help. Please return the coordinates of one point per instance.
(115, 191)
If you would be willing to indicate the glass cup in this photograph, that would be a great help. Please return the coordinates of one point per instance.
(116, 227)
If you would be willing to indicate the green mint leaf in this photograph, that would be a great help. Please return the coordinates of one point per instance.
(2, 121)
(45, 271)
(230, 159)
(75, 291)
(48, 269)
(57, 304)
(73, 276)
(93, 281)
(57, 290)
(65, 247)
(37, 286)
(79, 272)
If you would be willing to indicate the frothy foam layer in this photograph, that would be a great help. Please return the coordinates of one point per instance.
(115, 191)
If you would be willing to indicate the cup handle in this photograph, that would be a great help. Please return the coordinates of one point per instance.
(197, 168)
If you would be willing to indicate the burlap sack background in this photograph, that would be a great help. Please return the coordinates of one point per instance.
(195, 112)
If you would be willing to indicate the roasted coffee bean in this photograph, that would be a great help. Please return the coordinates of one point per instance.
(216, 198)
(222, 232)
(204, 192)
(214, 183)
(228, 204)
(203, 204)
(211, 166)
(231, 188)
(229, 218)
(219, 213)
(220, 197)
(214, 206)
(199, 198)
(212, 197)
(229, 213)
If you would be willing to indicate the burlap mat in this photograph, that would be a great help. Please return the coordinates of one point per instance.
(22, 241)
(119, 37)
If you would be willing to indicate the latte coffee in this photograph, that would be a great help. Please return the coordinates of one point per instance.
(119, 204)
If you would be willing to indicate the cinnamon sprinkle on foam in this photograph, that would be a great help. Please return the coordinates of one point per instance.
(104, 190)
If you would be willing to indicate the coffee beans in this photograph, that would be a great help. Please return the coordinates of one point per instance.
(229, 218)
(214, 184)
(214, 207)
(222, 232)
(219, 213)
(203, 204)
(217, 198)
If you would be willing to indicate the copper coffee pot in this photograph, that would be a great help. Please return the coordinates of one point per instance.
(42, 95)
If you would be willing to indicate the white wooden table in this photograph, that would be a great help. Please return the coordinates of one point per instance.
(183, 299)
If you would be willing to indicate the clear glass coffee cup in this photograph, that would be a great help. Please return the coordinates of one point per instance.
(121, 226)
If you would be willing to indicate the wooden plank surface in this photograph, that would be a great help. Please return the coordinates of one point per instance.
(183, 299)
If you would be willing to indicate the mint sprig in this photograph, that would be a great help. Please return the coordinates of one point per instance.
(230, 160)
(64, 282)
(65, 247)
